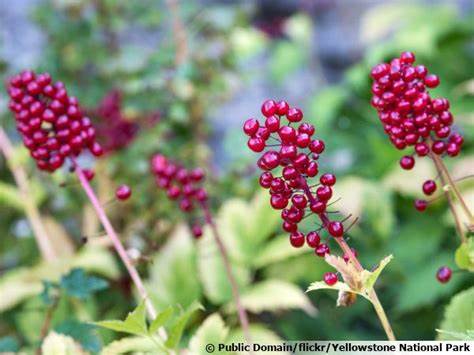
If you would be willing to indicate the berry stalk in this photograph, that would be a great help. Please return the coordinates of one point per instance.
(115, 240)
(244, 322)
(348, 251)
(31, 210)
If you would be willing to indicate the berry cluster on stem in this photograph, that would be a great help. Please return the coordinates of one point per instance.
(293, 150)
(52, 124)
(185, 187)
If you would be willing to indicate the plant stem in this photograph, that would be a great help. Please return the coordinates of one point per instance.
(115, 241)
(453, 186)
(244, 322)
(347, 251)
(31, 210)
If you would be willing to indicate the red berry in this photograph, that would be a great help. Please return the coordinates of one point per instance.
(287, 134)
(421, 205)
(197, 231)
(313, 239)
(256, 144)
(282, 108)
(429, 187)
(324, 193)
(269, 108)
(270, 160)
(318, 207)
(278, 201)
(407, 162)
(330, 278)
(89, 174)
(327, 179)
(321, 250)
(297, 239)
(123, 192)
(294, 115)
(266, 179)
(431, 81)
(272, 123)
(251, 126)
(336, 229)
(444, 274)
(316, 146)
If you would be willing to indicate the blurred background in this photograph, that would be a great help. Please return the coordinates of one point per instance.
(180, 77)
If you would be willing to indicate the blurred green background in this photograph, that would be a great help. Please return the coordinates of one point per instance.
(183, 76)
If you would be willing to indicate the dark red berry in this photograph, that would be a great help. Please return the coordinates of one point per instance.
(327, 179)
(297, 239)
(330, 278)
(269, 108)
(444, 274)
(336, 229)
(407, 162)
(123, 192)
(313, 239)
(429, 186)
(197, 231)
(421, 205)
(321, 250)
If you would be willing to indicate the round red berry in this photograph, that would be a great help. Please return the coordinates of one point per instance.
(336, 229)
(444, 274)
(330, 278)
(123, 192)
(297, 239)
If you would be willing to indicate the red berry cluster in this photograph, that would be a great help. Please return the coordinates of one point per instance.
(410, 116)
(180, 184)
(50, 121)
(114, 131)
(293, 148)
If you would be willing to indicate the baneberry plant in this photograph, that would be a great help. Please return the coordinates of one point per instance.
(294, 191)
(54, 129)
(185, 187)
(412, 118)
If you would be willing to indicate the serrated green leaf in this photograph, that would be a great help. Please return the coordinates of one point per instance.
(211, 331)
(77, 284)
(135, 323)
(277, 250)
(459, 315)
(180, 286)
(261, 297)
(176, 330)
(370, 277)
(160, 320)
(464, 255)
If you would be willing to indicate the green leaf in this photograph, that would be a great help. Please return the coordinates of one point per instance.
(211, 331)
(77, 284)
(287, 57)
(464, 256)
(160, 320)
(326, 106)
(10, 196)
(261, 297)
(468, 335)
(181, 286)
(130, 345)
(84, 333)
(459, 315)
(277, 250)
(176, 330)
(135, 323)
(321, 285)
(370, 278)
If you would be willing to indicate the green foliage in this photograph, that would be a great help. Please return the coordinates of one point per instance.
(459, 317)
(83, 333)
(9, 344)
(77, 284)
(465, 255)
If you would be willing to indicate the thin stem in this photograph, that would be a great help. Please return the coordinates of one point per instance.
(244, 322)
(347, 251)
(31, 210)
(443, 170)
(179, 32)
(47, 322)
(116, 243)
(452, 207)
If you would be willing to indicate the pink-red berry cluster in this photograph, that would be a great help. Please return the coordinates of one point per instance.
(181, 185)
(410, 116)
(293, 152)
(114, 131)
(51, 123)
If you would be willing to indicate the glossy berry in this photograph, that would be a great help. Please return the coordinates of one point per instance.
(410, 116)
(330, 278)
(407, 162)
(123, 192)
(298, 192)
(52, 125)
(89, 174)
(429, 187)
(444, 274)
(421, 205)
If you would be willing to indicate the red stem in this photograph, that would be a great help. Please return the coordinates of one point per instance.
(244, 322)
(115, 240)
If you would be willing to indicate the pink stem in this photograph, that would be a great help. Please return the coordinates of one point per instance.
(244, 322)
(115, 240)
